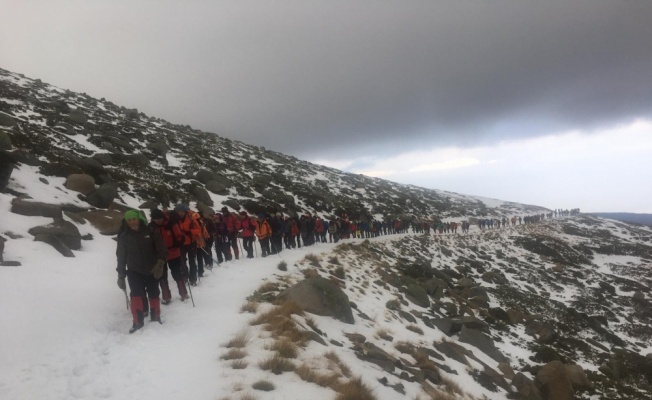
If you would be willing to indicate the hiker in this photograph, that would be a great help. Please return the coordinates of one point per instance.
(191, 232)
(278, 231)
(221, 239)
(172, 238)
(232, 227)
(263, 232)
(248, 230)
(141, 256)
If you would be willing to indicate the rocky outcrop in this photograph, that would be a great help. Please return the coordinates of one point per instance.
(322, 297)
(81, 183)
(35, 209)
(103, 196)
(557, 381)
(64, 231)
(106, 221)
(7, 120)
(483, 342)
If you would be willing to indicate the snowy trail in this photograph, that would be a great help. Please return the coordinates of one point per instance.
(74, 319)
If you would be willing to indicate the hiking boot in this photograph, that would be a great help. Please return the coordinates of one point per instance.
(135, 327)
(166, 302)
(184, 297)
(193, 283)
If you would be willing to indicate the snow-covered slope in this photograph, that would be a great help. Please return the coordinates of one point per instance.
(482, 315)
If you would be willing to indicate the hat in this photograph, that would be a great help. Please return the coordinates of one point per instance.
(157, 214)
(243, 213)
(181, 207)
(225, 210)
(132, 214)
(261, 215)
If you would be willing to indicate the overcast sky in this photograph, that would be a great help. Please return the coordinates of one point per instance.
(542, 102)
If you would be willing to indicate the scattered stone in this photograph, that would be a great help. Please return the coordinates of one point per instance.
(7, 120)
(10, 263)
(35, 209)
(103, 196)
(557, 381)
(322, 297)
(55, 242)
(81, 183)
(506, 369)
(638, 297)
(481, 341)
(64, 231)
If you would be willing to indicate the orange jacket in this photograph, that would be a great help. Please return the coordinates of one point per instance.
(190, 229)
(263, 230)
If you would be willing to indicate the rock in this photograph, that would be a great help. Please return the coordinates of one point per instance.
(494, 277)
(578, 377)
(2, 247)
(452, 350)
(106, 221)
(506, 369)
(322, 297)
(6, 119)
(65, 231)
(217, 188)
(202, 195)
(526, 388)
(132, 113)
(81, 183)
(466, 282)
(77, 116)
(103, 158)
(558, 268)
(35, 209)
(103, 196)
(10, 263)
(515, 316)
(5, 141)
(638, 297)
(6, 169)
(407, 316)
(499, 314)
(148, 205)
(374, 354)
(137, 160)
(417, 295)
(355, 337)
(553, 383)
(159, 147)
(205, 176)
(483, 342)
(55, 242)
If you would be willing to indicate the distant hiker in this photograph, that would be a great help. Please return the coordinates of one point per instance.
(248, 229)
(191, 232)
(173, 240)
(263, 232)
(278, 231)
(141, 256)
(233, 227)
(221, 238)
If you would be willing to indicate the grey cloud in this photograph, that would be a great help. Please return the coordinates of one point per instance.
(339, 78)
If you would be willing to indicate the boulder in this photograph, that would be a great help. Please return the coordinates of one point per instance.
(81, 183)
(481, 341)
(551, 380)
(55, 242)
(137, 160)
(6, 169)
(527, 390)
(202, 195)
(417, 295)
(638, 297)
(103, 158)
(5, 141)
(106, 221)
(6, 119)
(322, 297)
(77, 116)
(217, 188)
(205, 176)
(35, 209)
(65, 231)
(103, 196)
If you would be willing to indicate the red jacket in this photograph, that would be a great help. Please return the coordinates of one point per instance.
(248, 227)
(172, 237)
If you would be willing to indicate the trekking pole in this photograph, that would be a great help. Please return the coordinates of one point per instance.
(212, 260)
(126, 298)
(254, 246)
(240, 244)
(190, 291)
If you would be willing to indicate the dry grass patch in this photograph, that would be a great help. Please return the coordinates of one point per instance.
(415, 329)
(384, 334)
(334, 260)
(354, 389)
(279, 322)
(239, 364)
(248, 396)
(452, 387)
(249, 307)
(307, 374)
(436, 394)
(266, 293)
(339, 272)
(234, 354)
(285, 348)
(336, 360)
(313, 260)
(265, 386)
(240, 340)
(310, 273)
(405, 347)
(277, 365)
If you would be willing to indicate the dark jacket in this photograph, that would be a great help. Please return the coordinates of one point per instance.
(140, 250)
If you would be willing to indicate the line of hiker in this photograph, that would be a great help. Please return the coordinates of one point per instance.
(182, 242)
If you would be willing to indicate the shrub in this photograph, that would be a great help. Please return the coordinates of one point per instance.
(313, 260)
(324, 380)
(339, 272)
(415, 329)
(285, 348)
(240, 340)
(355, 389)
(250, 307)
(239, 364)
(393, 305)
(277, 365)
(234, 354)
(265, 386)
(282, 266)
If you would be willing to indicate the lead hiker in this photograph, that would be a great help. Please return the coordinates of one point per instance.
(141, 256)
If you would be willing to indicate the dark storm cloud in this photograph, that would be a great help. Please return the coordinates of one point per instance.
(329, 78)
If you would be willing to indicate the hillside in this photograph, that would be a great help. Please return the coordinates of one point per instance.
(556, 309)
(634, 218)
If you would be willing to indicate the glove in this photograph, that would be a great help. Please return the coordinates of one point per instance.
(121, 283)
(157, 271)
